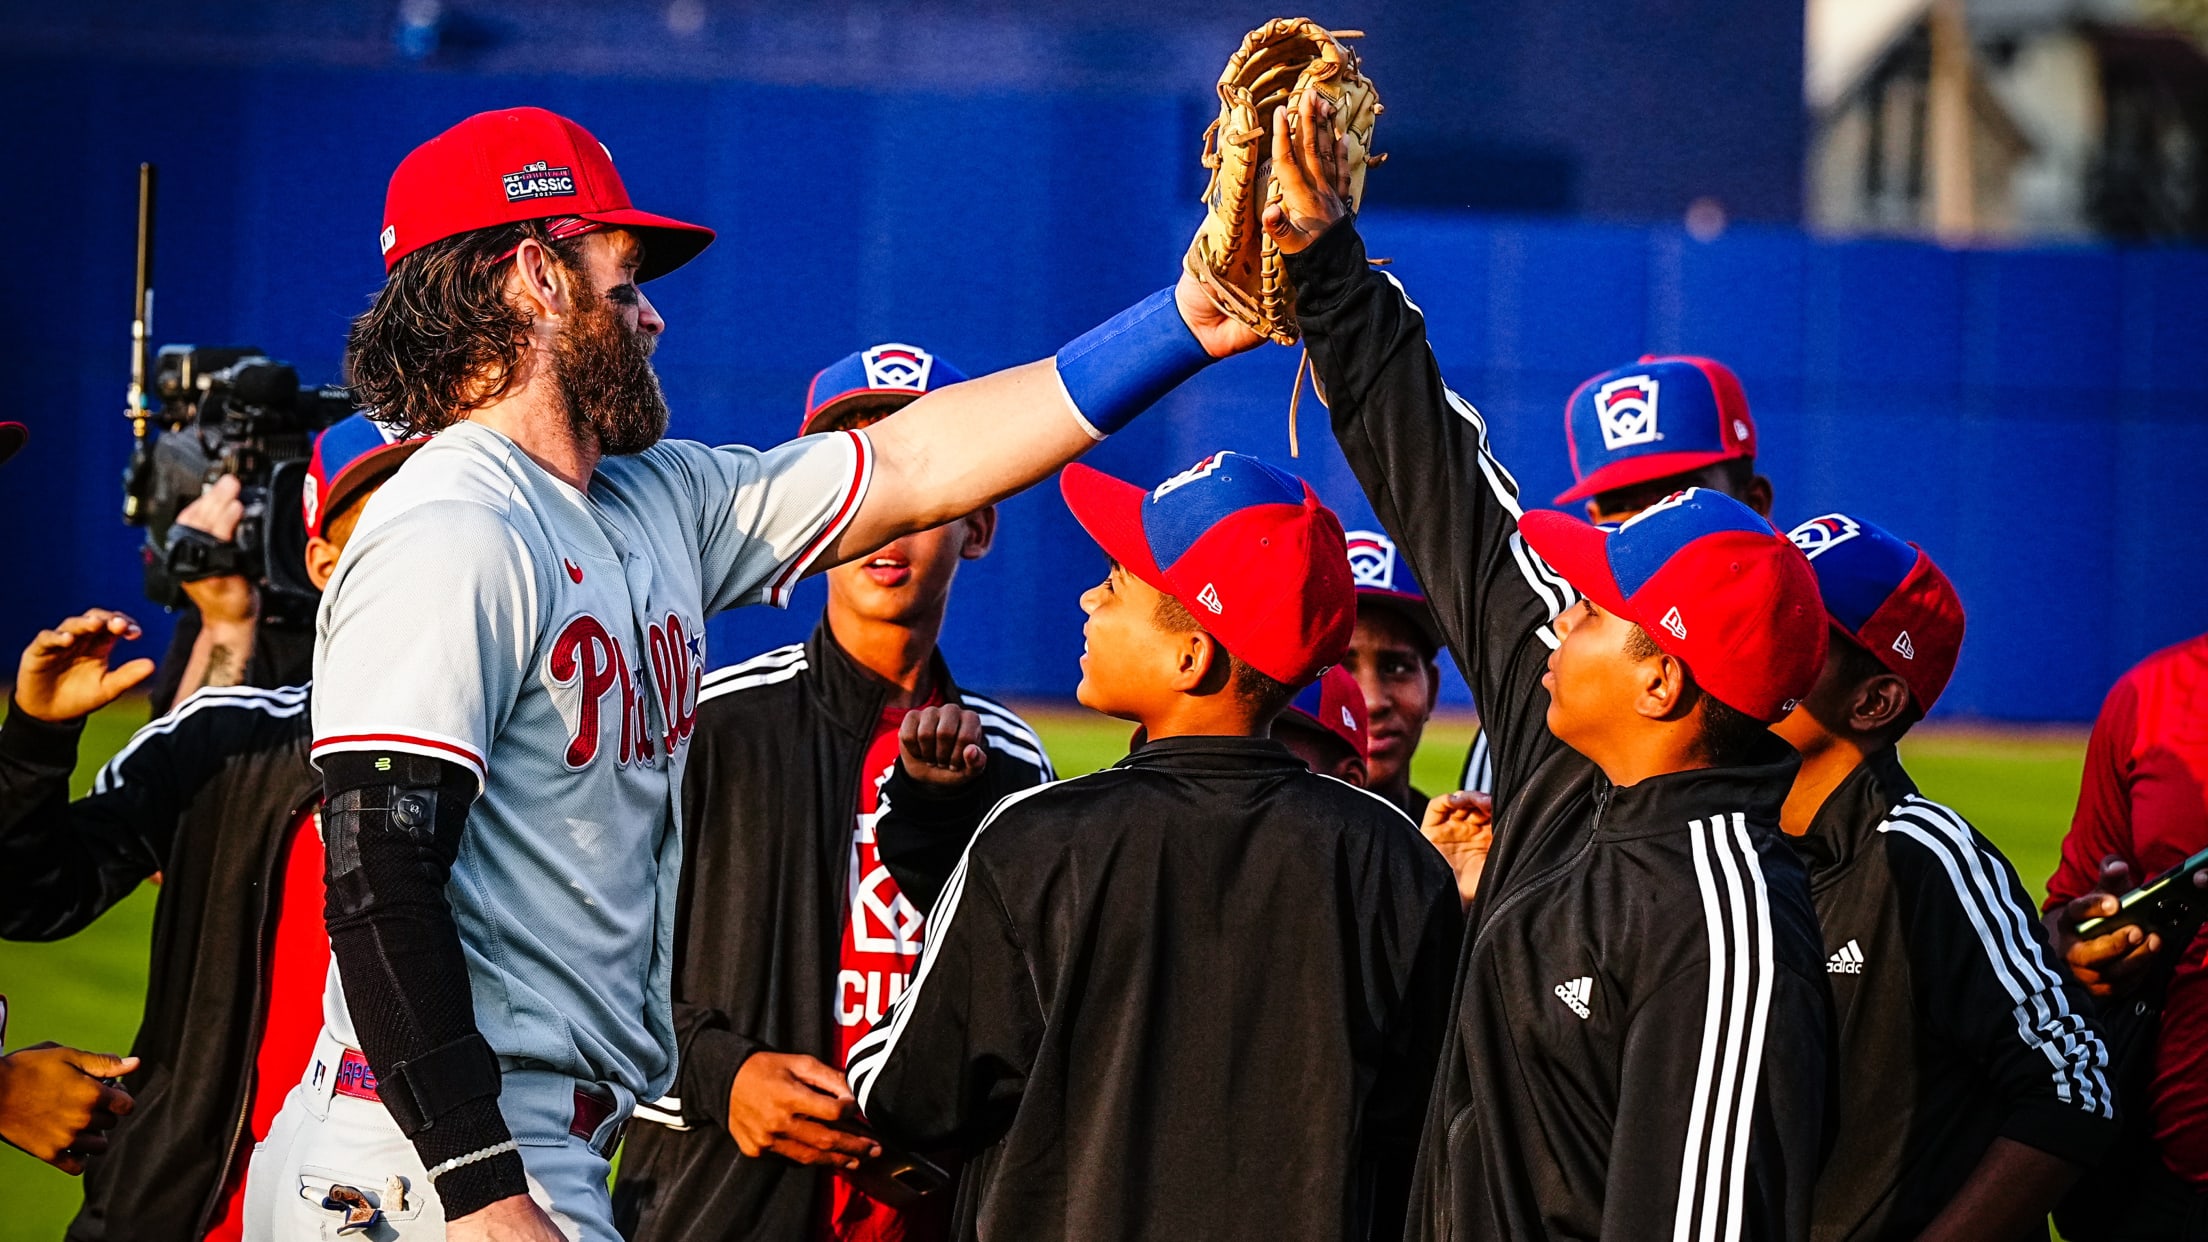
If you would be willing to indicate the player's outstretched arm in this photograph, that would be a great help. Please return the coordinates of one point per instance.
(972, 444)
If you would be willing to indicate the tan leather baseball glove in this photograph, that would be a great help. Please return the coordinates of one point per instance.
(1279, 62)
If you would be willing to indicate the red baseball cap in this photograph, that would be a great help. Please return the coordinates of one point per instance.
(13, 436)
(1334, 704)
(521, 164)
(352, 453)
(1656, 418)
(1889, 597)
(1712, 583)
(1246, 548)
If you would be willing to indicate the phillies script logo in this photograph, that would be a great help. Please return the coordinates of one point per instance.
(587, 656)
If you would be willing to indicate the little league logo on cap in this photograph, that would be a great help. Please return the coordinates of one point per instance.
(1889, 597)
(1710, 582)
(1336, 704)
(1658, 417)
(521, 164)
(1246, 547)
(1383, 578)
(350, 454)
(891, 369)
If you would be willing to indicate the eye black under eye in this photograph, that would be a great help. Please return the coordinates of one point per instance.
(625, 295)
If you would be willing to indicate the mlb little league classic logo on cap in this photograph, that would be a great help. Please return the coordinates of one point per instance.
(1888, 596)
(1246, 548)
(891, 369)
(1711, 583)
(1658, 417)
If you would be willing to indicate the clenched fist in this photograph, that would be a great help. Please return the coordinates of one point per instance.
(941, 746)
(1462, 826)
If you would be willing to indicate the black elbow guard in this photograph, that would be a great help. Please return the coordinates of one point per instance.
(385, 809)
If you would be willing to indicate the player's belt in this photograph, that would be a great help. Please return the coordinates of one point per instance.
(356, 1079)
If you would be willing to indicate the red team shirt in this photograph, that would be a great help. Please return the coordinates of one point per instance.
(880, 949)
(2145, 772)
(298, 964)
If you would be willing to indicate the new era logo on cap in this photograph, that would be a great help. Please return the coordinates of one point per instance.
(1757, 642)
(1333, 704)
(1246, 547)
(1653, 419)
(1887, 596)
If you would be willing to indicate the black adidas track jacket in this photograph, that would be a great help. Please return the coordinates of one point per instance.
(1197, 995)
(1639, 1048)
(1956, 1024)
(769, 800)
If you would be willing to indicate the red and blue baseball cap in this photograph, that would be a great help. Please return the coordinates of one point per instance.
(522, 164)
(1659, 417)
(1888, 596)
(1245, 547)
(13, 436)
(352, 454)
(1712, 583)
(886, 372)
(1335, 705)
(1384, 580)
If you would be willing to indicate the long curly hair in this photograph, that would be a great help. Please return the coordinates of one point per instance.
(441, 337)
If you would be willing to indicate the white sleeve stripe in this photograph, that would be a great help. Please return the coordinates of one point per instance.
(1008, 724)
(666, 1111)
(283, 702)
(777, 658)
(1505, 491)
(1368, 793)
(2044, 1020)
(854, 498)
(1005, 744)
(752, 682)
(872, 1052)
(1479, 765)
(1736, 915)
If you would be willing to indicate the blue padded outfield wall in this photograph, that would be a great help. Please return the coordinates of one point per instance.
(2038, 419)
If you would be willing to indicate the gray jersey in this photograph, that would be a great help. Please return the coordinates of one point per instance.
(552, 641)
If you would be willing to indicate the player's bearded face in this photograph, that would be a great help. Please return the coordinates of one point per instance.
(604, 370)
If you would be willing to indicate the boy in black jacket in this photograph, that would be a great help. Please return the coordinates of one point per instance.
(219, 798)
(1639, 1048)
(811, 857)
(1198, 994)
(1973, 1088)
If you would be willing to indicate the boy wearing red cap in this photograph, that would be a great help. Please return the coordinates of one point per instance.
(1198, 994)
(1973, 1088)
(508, 665)
(1325, 726)
(1639, 1047)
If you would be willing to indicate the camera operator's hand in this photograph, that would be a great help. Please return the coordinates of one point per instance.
(230, 599)
(64, 675)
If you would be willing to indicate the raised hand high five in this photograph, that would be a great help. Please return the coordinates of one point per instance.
(1310, 182)
(64, 673)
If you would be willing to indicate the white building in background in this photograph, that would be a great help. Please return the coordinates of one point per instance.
(2000, 119)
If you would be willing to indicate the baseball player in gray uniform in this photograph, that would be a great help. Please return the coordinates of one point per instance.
(508, 669)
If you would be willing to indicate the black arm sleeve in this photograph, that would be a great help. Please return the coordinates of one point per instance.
(63, 863)
(391, 827)
(1422, 454)
(924, 830)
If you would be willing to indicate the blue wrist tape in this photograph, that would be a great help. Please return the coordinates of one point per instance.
(1121, 367)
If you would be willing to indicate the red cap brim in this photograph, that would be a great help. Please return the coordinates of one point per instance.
(1579, 552)
(1111, 511)
(668, 243)
(1636, 470)
(13, 436)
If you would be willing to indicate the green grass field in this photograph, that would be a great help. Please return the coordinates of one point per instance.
(2018, 787)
